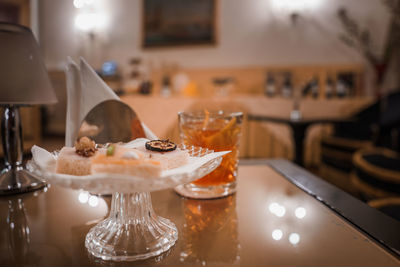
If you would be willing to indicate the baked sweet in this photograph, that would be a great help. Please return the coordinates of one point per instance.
(160, 145)
(168, 160)
(121, 160)
(68, 162)
(85, 159)
(76, 160)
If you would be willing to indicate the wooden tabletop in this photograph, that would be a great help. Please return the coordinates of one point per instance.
(280, 216)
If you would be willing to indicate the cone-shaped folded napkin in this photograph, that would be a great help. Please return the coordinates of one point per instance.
(85, 90)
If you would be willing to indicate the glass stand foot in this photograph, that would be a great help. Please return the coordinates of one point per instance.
(132, 231)
(205, 192)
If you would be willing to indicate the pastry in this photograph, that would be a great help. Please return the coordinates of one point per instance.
(167, 153)
(121, 160)
(76, 160)
(147, 160)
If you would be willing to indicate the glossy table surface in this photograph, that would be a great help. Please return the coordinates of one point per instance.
(269, 222)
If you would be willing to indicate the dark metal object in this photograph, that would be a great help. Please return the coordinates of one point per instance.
(14, 178)
(111, 121)
(23, 81)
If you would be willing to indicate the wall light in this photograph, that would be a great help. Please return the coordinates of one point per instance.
(81, 3)
(88, 22)
(294, 6)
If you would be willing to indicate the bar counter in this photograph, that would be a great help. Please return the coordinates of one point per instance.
(281, 215)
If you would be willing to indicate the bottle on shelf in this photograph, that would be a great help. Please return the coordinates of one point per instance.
(311, 87)
(223, 86)
(166, 86)
(314, 85)
(306, 89)
(287, 87)
(146, 85)
(329, 87)
(341, 88)
(133, 81)
(270, 86)
(345, 86)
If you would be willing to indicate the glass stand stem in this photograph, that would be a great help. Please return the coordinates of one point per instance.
(132, 231)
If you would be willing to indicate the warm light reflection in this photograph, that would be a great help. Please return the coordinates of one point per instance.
(273, 207)
(287, 224)
(93, 201)
(203, 219)
(300, 212)
(277, 234)
(83, 197)
(278, 210)
(294, 238)
(281, 211)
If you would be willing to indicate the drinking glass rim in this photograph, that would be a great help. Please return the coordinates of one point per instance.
(215, 113)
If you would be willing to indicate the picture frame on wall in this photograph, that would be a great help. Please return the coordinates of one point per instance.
(178, 23)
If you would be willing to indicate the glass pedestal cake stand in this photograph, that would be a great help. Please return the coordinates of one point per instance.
(132, 231)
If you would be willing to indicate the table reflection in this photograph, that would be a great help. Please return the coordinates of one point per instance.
(289, 218)
(18, 232)
(210, 226)
(88, 202)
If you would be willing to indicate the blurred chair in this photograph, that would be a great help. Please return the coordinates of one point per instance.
(348, 137)
(377, 170)
(361, 131)
(376, 173)
(390, 206)
(389, 123)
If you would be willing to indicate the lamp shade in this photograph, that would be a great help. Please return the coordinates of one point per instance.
(23, 76)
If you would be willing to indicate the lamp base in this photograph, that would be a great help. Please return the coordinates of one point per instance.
(16, 181)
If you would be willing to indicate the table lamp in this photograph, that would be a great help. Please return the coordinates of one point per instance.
(23, 82)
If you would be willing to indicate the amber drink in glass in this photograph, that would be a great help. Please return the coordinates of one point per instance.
(218, 131)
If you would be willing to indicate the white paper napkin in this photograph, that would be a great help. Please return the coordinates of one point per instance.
(85, 90)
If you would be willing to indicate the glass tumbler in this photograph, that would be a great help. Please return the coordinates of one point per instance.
(219, 131)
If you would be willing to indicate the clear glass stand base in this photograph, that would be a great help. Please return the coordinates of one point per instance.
(205, 192)
(132, 231)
